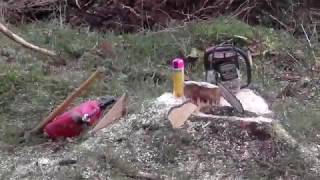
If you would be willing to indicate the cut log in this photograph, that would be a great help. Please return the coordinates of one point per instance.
(203, 91)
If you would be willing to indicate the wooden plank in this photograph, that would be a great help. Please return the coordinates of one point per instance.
(118, 110)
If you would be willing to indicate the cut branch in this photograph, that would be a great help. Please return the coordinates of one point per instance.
(202, 116)
(24, 43)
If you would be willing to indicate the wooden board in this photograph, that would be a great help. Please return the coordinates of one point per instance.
(118, 110)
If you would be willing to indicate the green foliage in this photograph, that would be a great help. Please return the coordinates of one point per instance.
(8, 81)
(223, 28)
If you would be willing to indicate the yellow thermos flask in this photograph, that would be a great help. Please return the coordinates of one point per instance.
(178, 77)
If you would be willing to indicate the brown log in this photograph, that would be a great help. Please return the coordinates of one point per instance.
(24, 43)
(59, 109)
(204, 91)
(198, 94)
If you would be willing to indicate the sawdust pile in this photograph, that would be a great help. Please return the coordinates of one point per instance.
(144, 142)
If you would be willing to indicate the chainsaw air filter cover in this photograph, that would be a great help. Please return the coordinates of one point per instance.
(224, 62)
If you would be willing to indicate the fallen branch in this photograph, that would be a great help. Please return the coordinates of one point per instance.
(24, 43)
(77, 92)
(278, 21)
(202, 116)
(309, 42)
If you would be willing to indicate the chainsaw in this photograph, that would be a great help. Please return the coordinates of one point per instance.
(74, 121)
(222, 67)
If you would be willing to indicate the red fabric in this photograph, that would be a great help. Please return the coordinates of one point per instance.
(65, 125)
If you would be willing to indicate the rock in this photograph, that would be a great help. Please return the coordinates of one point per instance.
(66, 162)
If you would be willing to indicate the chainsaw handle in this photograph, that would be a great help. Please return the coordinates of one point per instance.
(248, 66)
(85, 119)
(243, 54)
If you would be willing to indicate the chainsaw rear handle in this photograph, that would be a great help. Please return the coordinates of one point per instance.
(103, 104)
(243, 54)
(106, 102)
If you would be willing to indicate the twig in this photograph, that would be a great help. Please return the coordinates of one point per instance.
(307, 37)
(203, 9)
(164, 12)
(77, 3)
(295, 59)
(202, 116)
(241, 8)
(309, 42)
(280, 22)
(132, 10)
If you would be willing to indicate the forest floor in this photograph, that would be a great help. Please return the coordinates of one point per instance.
(285, 69)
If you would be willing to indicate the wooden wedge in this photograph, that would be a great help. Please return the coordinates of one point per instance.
(178, 115)
(118, 110)
(199, 94)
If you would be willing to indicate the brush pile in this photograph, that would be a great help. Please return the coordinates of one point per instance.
(134, 15)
